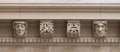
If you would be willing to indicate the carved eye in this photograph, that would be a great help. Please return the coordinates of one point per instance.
(16, 26)
(22, 26)
(103, 26)
(97, 26)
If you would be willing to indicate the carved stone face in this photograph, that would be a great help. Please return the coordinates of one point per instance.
(100, 28)
(20, 28)
(73, 28)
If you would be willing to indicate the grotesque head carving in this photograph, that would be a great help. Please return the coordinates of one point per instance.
(73, 28)
(100, 28)
(46, 28)
(20, 28)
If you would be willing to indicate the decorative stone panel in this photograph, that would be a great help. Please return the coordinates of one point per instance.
(73, 28)
(46, 28)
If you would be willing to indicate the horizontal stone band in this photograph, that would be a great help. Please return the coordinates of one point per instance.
(59, 40)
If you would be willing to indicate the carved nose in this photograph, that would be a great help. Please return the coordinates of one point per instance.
(100, 29)
(19, 27)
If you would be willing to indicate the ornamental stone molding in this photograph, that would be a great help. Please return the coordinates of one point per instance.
(59, 27)
(59, 21)
(20, 28)
(46, 28)
(58, 40)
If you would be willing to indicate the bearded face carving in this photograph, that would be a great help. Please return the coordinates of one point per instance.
(100, 28)
(73, 28)
(46, 28)
(20, 28)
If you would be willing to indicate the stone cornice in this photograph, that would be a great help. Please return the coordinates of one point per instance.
(60, 7)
